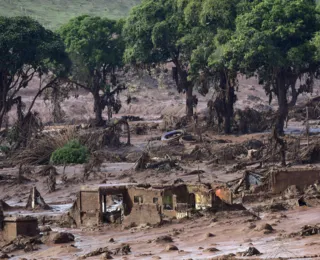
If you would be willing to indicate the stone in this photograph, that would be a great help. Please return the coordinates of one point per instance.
(164, 239)
(211, 250)
(106, 256)
(4, 256)
(59, 238)
(209, 235)
(171, 248)
(45, 229)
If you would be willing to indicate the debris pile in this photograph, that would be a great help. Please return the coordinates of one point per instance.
(146, 162)
(250, 120)
(299, 113)
(251, 252)
(58, 238)
(310, 230)
(21, 243)
(35, 200)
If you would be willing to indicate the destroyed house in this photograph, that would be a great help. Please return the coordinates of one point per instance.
(139, 204)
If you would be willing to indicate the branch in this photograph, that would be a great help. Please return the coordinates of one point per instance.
(40, 92)
(79, 85)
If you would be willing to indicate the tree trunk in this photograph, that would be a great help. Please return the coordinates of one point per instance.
(181, 77)
(109, 113)
(97, 109)
(189, 101)
(282, 102)
(3, 95)
(230, 99)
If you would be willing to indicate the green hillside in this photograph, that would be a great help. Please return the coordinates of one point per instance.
(53, 13)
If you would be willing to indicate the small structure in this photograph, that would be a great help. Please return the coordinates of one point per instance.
(18, 225)
(140, 204)
(280, 180)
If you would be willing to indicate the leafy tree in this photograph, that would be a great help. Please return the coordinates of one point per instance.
(156, 32)
(96, 48)
(214, 23)
(28, 50)
(275, 40)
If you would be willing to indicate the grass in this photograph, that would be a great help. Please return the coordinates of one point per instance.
(53, 13)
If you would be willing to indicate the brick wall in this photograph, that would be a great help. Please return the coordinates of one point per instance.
(143, 214)
(302, 178)
(90, 208)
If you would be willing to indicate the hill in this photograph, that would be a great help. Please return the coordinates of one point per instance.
(54, 13)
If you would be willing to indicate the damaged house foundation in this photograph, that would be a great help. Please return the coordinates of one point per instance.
(142, 204)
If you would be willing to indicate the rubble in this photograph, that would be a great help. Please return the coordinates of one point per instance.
(252, 251)
(211, 250)
(58, 238)
(146, 162)
(310, 230)
(266, 228)
(21, 243)
(35, 200)
(99, 251)
(4, 256)
(164, 239)
(44, 229)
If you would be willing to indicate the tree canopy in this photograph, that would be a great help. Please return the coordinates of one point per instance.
(156, 32)
(27, 50)
(275, 40)
(96, 48)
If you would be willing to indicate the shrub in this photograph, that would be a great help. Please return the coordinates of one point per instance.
(72, 152)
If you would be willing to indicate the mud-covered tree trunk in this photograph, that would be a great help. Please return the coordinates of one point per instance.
(3, 95)
(282, 102)
(229, 109)
(189, 101)
(228, 100)
(97, 108)
(180, 76)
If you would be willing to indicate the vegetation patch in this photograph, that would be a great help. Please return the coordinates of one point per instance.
(72, 152)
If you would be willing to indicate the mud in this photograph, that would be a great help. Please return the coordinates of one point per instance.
(259, 224)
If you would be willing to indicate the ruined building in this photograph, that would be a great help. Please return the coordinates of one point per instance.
(281, 179)
(141, 204)
(19, 225)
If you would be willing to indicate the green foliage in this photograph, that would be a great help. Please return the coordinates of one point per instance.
(4, 149)
(278, 41)
(28, 50)
(26, 43)
(53, 13)
(96, 48)
(277, 34)
(95, 40)
(72, 152)
(152, 32)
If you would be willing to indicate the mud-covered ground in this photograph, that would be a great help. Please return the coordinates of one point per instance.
(208, 235)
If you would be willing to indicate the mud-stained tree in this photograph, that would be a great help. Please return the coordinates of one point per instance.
(155, 32)
(275, 42)
(28, 50)
(211, 61)
(96, 49)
